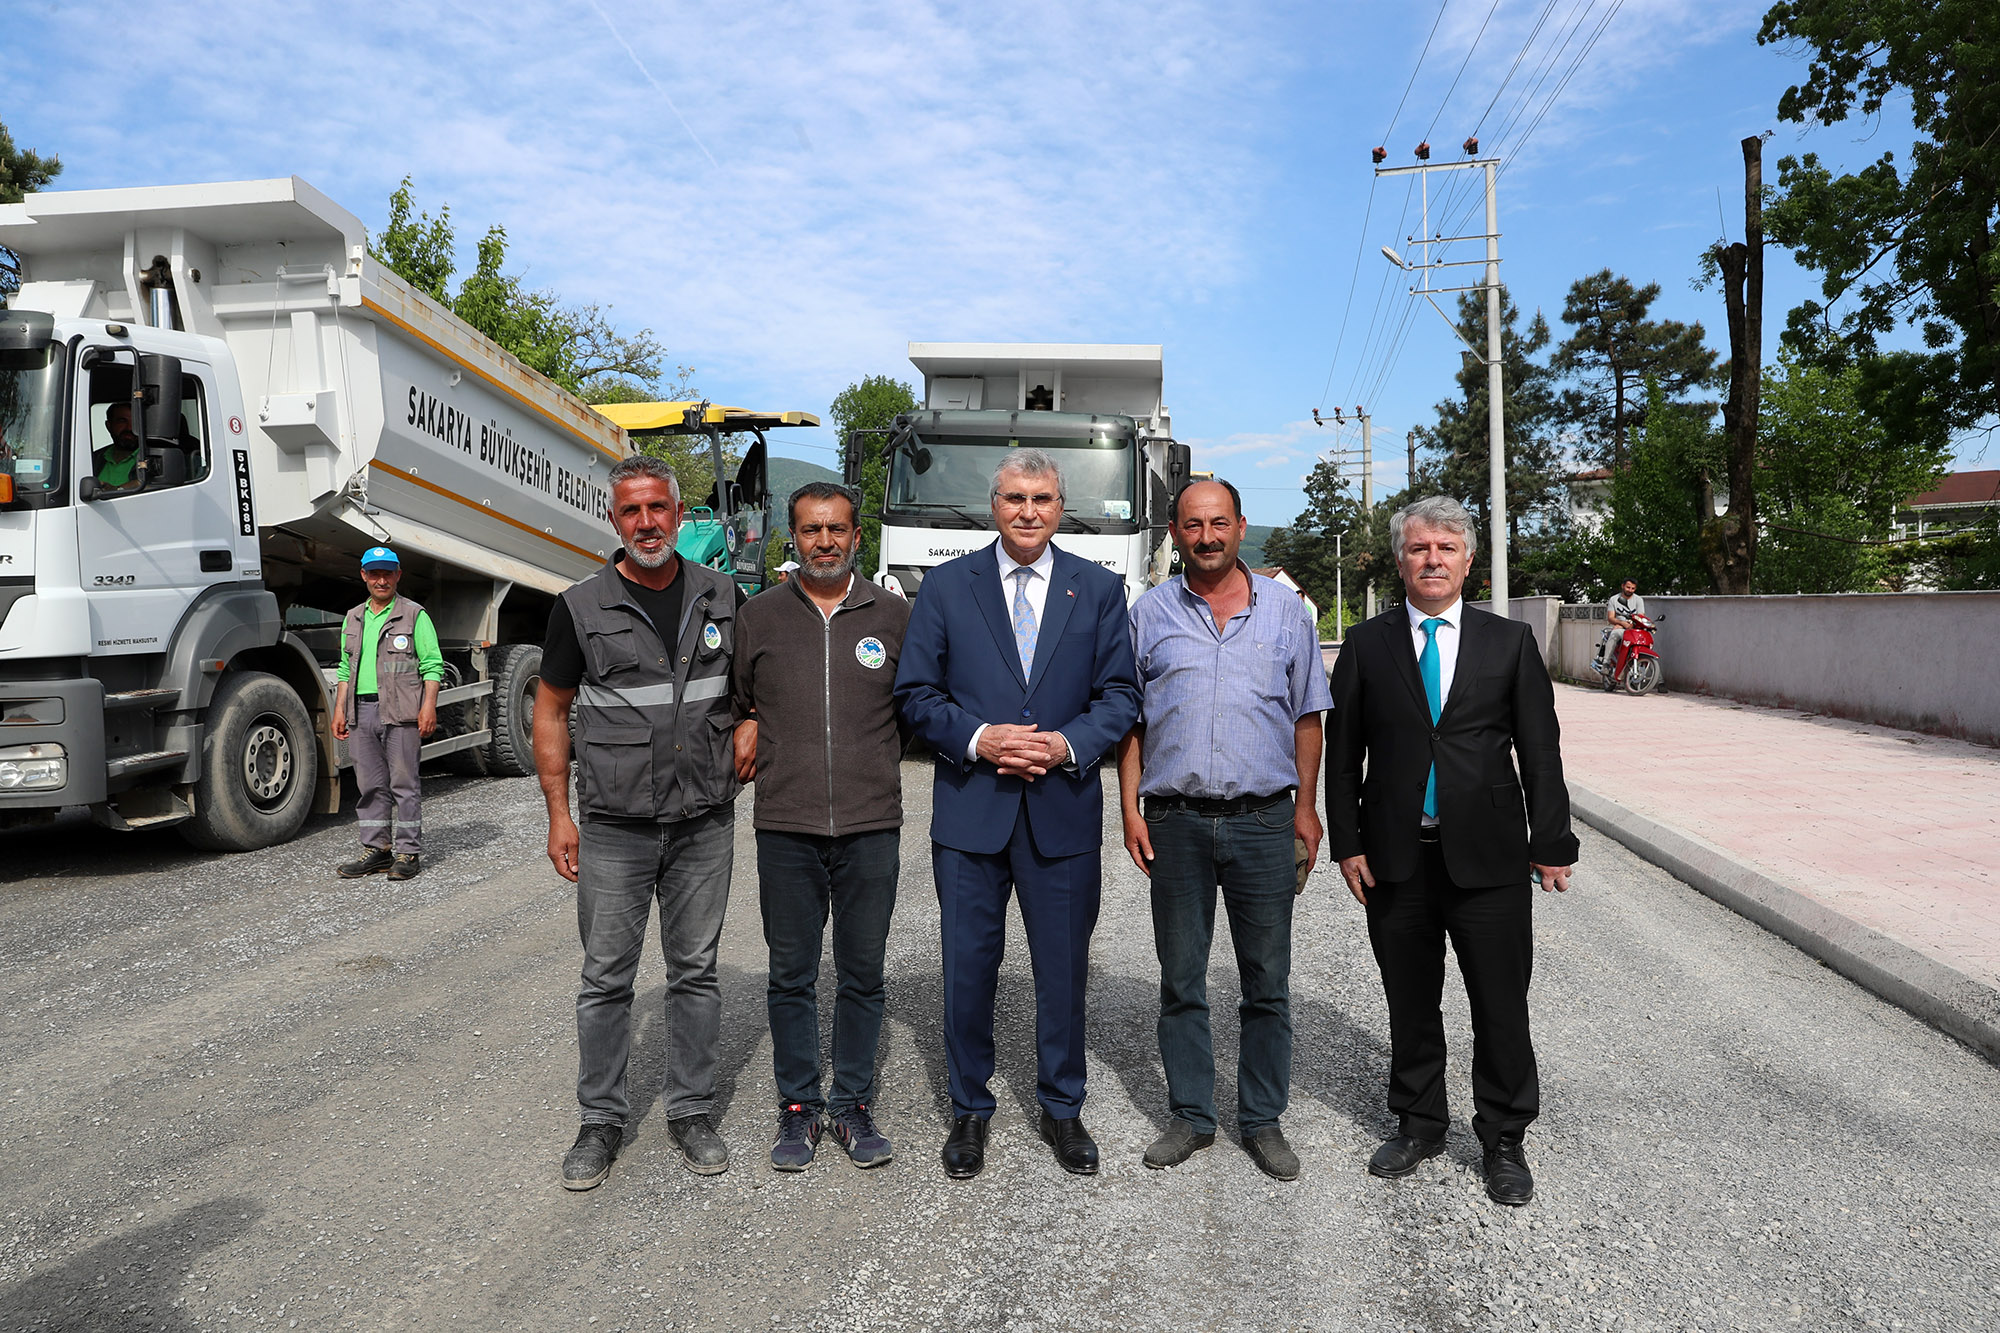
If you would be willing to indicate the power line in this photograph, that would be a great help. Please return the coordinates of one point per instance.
(1413, 73)
(1353, 280)
(1477, 38)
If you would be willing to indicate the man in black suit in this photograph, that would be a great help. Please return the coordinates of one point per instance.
(1436, 839)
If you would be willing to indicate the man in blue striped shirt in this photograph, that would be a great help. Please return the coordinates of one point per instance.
(1226, 761)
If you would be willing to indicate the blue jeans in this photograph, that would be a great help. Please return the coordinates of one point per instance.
(800, 879)
(1250, 857)
(621, 869)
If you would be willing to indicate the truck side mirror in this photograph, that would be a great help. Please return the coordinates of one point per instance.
(1180, 466)
(851, 458)
(161, 376)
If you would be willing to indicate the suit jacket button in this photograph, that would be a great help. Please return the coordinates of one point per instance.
(1434, 733)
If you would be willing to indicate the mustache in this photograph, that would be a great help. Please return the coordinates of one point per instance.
(1209, 548)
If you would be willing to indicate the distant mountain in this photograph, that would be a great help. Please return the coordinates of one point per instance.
(787, 475)
(1254, 537)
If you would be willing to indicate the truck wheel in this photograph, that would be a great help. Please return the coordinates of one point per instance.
(516, 670)
(259, 765)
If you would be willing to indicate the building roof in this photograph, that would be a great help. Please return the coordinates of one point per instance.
(1959, 489)
(1595, 474)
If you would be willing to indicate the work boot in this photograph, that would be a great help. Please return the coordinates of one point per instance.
(798, 1138)
(374, 860)
(406, 866)
(1180, 1142)
(702, 1150)
(589, 1159)
(855, 1128)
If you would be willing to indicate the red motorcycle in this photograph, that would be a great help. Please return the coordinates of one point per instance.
(1636, 664)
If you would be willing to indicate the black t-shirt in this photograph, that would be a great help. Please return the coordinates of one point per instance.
(562, 651)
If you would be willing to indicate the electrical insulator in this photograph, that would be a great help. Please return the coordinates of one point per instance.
(1424, 151)
(1379, 155)
(1472, 146)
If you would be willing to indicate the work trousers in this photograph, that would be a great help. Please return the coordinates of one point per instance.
(622, 868)
(385, 758)
(801, 879)
(1249, 856)
(1059, 900)
(1492, 932)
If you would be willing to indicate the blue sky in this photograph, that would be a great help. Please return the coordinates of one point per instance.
(789, 194)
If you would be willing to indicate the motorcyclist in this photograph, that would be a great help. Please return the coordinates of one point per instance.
(1619, 610)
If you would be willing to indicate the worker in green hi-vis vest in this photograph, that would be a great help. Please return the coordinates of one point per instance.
(390, 671)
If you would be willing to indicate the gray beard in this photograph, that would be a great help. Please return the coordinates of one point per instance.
(829, 579)
(644, 562)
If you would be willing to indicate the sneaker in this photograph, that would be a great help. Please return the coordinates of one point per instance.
(798, 1138)
(866, 1145)
(589, 1159)
(702, 1150)
(406, 867)
(374, 860)
(1180, 1142)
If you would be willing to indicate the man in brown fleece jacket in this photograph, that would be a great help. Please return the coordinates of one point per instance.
(814, 676)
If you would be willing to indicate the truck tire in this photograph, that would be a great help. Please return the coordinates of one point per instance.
(259, 766)
(516, 671)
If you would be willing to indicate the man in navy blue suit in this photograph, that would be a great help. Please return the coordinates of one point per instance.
(1017, 670)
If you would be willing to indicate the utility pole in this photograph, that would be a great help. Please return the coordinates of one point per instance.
(1343, 458)
(1496, 429)
(1368, 495)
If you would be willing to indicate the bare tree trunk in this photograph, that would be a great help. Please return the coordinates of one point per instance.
(1729, 543)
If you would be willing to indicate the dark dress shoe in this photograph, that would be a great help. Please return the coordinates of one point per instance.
(1402, 1155)
(964, 1152)
(1076, 1151)
(1508, 1179)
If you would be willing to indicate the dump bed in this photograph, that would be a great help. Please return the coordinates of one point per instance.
(372, 413)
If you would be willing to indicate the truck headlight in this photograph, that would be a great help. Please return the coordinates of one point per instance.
(43, 767)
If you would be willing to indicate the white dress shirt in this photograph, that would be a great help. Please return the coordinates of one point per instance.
(1447, 643)
(1041, 572)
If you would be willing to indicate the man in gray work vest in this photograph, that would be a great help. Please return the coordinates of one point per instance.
(642, 650)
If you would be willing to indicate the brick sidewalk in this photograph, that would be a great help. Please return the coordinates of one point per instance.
(1895, 830)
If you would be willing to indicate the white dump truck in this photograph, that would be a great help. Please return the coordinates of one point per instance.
(165, 644)
(1095, 406)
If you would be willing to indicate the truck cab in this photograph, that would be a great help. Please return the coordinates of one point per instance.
(1095, 408)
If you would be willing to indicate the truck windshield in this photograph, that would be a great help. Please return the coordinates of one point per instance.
(951, 475)
(30, 410)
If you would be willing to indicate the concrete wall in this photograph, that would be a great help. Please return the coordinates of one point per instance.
(1925, 661)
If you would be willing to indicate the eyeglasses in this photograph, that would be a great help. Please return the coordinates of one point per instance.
(1016, 500)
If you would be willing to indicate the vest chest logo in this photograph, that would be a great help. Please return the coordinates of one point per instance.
(711, 637)
(400, 642)
(870, 653)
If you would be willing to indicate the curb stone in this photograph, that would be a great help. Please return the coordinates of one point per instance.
(1934, 991)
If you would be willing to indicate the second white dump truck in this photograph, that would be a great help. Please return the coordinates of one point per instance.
(163, 658)
(1095, 406)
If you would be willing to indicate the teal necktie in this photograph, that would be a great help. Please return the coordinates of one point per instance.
(1427, 664)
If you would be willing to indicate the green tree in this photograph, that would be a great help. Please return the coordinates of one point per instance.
(576, 346)
(1830, 476)
(870, 404)
(22, 172)
(1457, 448)
(1306, 550)
(1611, 353)
(1916, 244)
(1659, 502)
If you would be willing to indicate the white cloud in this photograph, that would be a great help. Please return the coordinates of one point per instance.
(887, 172)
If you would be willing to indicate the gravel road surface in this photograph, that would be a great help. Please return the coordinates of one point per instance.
(242, 1094)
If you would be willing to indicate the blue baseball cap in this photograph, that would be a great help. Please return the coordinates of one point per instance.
(380, 557)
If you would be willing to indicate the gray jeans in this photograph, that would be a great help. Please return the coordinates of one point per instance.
(385, 768)
(622, 868)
